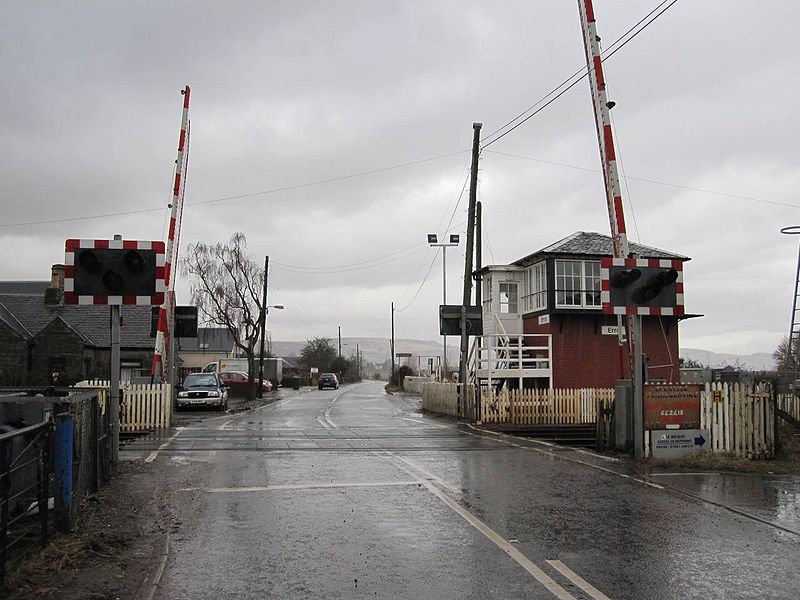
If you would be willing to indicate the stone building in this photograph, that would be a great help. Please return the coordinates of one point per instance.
(39, 334)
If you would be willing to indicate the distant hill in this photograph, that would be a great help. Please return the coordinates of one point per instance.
(376, 350)
(760, 361)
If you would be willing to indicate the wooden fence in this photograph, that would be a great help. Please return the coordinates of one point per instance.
(144, 407)
(740, 417)
(545, 407)
(790, 404)
(521, 407)
(442, 399)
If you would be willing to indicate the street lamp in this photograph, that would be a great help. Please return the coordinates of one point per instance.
(433, 240)
(261, 354)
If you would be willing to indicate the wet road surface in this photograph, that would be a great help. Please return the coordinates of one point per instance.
(352, 493)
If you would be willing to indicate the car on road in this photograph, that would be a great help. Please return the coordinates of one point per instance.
(203, 389)
(328, 380)
(239, 378)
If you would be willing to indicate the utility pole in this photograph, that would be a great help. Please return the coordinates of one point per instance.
(358, 364)
(478, 293)
(473, 195)
(478, 251)
(340, 342)
(392, 345)
(444, 301)
(263, 330)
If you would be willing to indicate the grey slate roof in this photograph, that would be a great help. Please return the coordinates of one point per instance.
(30, 311)
(7, 317)
(209, 339)
(583, 243)
(23, 287)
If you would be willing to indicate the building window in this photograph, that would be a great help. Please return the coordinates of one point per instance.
(508, 298)
(591, 273)
(487, 294)
(535, 287)
(56, 364)
(577, 284)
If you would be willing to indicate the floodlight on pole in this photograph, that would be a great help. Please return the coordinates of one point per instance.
(454, 241)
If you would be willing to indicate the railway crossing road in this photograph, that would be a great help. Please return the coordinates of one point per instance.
(353, 493)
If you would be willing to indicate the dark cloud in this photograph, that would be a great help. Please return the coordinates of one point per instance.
(288, 93)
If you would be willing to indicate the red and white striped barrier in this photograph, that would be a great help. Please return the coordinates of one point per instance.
(176, 215)
(74, 246)
(605, 135)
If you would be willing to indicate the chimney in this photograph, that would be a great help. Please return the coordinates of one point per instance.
(54, 294)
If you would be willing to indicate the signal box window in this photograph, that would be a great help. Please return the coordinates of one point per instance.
(578, 284)
(508, 298)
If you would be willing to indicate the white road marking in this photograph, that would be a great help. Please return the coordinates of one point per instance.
(428, 475)
(152, 456)
(222, 427)
(327, 416)
(678, 474)
(566, 458)
(522, 560)
(303, 486)
(577, 580)
(412, 420)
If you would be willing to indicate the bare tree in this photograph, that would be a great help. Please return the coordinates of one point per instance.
(226, 285)
(786, 361)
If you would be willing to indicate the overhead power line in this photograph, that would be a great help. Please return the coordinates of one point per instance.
(575, 74)
(654, 181)
(580, 74)
(238, 197)
(353, 267)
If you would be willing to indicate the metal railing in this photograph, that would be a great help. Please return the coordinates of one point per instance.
(24, 490)
(496, 357)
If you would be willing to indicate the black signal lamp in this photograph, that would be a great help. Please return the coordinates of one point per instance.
(89, 260)
(625, 277)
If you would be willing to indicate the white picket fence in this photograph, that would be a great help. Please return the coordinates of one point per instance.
(740, 417)
(442, 398)
(144, 407)
(522, 407)
(544, 407)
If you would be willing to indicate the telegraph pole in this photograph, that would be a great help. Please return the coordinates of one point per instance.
(473, 195)
(263, 330)
(340, 342)
(478, 251)
(392, 345)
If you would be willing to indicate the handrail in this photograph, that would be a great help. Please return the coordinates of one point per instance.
(499, 323)
(4, 437)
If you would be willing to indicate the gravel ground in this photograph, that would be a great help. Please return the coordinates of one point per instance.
(117, 539)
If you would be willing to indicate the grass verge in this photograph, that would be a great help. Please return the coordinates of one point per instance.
(786, 461)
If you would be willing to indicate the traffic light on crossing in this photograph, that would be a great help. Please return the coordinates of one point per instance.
(114, 272)
(641, 286)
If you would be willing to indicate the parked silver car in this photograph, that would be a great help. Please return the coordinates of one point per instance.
(203, 389)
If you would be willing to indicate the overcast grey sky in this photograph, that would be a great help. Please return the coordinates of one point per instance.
(290, 93)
